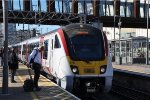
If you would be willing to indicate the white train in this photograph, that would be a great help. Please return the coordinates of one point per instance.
(76, 56)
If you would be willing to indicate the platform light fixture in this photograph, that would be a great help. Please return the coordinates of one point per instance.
(114, 30)
(147, 56)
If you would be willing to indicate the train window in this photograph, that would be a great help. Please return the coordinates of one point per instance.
(57, 43)
(45, 49)
(29, 48)
(19, 49)
(24, 49)
(52, 44)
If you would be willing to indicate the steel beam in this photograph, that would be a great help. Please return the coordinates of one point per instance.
(96, 7)
(136, 8)
(50, 18)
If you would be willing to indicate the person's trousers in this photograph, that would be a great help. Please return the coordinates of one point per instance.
(13, 72)
(36, 77)
(37, 68)
(1, 61)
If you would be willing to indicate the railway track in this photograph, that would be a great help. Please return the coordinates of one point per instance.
(122, 91)
(130, 93)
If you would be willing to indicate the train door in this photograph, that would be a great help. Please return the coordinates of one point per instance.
(51, 53)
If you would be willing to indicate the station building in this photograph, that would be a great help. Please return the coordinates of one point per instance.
(131, 48)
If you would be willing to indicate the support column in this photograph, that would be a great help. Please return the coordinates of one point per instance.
(10, 5)
(50, 5)
(62, 6)
(117, 7)
(136, 8)
(26, 5)
(5, 32)
(39, 6)
(96, 7)
(74, 7)
(145, 9)
(1, 4)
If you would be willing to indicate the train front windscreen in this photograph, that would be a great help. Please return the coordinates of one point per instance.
(85, 44)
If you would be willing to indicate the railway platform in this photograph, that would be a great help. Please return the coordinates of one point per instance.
(135, 76)
(49, 91)
(137, 69)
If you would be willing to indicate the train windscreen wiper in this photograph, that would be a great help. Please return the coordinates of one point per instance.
(72, 46)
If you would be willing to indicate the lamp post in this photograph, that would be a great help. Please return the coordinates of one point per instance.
(119, 25)
(1, 39)
(5, 32)
(114, 30)
(147, 46)
(114, 36)
(35, 12)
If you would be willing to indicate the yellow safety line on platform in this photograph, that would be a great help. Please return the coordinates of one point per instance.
(32, 93)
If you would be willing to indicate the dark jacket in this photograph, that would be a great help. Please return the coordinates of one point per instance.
(13, 61)
(1, 54)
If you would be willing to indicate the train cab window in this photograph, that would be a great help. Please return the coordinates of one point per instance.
(86, 43)
(45, 49)
(57, 43)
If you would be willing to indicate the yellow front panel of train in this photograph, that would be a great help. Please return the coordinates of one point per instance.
(88, 68)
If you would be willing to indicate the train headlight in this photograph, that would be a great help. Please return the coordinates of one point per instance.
(103, 69)
(88, 84)
(74, 69)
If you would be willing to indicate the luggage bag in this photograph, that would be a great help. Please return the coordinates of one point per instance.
(28, 83)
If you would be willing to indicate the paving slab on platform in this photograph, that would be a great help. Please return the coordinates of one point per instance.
(141, 69)
(50, 91)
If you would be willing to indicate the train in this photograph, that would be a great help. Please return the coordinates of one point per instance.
(76, 57)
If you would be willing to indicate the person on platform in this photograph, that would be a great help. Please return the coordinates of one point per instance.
(1, 55)
(13, 63)
(36, 65)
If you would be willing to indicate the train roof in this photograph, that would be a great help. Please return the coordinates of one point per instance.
(78, 25)
(66, 28)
